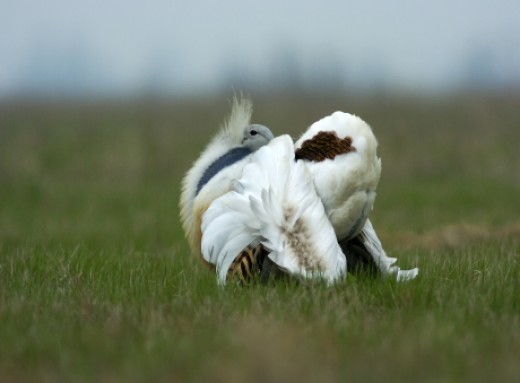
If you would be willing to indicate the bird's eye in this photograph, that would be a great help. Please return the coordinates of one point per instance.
(254, 132)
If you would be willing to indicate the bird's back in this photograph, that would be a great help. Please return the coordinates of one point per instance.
(194, 197)
(346, 169)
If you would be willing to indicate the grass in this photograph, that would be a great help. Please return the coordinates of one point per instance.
(96, 280)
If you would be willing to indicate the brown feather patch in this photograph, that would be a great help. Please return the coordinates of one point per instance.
(248, 264)
(253, 264)
(324, 145)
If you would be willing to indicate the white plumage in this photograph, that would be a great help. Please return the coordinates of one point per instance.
(385, 264)
(274, 203)
(203, 183)
(346, 184)
(303, 206)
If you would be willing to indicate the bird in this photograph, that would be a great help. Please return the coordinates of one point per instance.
(274, 204)
(220, 163)
(301, 208)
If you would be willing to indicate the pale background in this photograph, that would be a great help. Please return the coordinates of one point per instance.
(183, 48)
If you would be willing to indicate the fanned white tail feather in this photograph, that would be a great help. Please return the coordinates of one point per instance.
(386, 264)
(274, 203)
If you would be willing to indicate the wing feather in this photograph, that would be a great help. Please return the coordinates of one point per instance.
(384, 263)
(275, 203)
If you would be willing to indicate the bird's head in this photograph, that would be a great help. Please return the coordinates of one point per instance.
(255, 136)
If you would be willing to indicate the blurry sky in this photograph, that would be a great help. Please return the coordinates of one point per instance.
(182, 47)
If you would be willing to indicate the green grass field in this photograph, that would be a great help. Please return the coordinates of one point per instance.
(97, 283)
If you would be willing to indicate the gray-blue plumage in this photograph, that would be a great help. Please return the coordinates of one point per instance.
(232, 156)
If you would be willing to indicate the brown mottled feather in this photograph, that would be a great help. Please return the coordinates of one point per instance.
(324, 145)
(253, 264)
(247, 264)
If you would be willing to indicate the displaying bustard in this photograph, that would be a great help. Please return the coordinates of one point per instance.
(295, 208)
